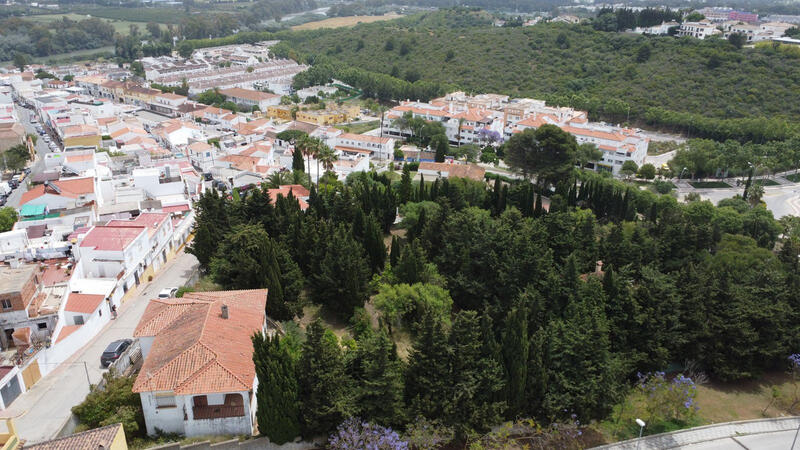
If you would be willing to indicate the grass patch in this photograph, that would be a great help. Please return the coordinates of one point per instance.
(338, 22)
(794, 178)
(359, 128)
(656, 148)
(709, 184)
(120, 26)
(767, 182)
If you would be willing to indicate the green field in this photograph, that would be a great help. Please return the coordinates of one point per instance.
(709, 184)
(120, 26)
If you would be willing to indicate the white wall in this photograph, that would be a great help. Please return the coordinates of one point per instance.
(168, 420)
(59, 352)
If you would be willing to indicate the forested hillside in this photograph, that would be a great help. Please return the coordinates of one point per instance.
(698, 87)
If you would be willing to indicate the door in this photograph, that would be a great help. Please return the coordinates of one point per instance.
(10, 391)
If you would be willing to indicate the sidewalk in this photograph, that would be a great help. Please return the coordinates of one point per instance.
(42, 411)
(748, 434)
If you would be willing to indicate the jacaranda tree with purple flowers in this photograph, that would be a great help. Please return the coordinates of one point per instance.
(668, 399)
(354, 433)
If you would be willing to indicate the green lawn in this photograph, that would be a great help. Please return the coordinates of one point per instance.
(794, 178)
(768, 182)
(359, 128)
(709, 184)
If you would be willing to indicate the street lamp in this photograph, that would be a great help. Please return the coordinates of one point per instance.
(641, 424)
(681, 174)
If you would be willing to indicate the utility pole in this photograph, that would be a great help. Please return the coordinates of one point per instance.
(86, 369)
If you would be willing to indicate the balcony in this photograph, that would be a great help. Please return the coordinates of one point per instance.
(217, 412)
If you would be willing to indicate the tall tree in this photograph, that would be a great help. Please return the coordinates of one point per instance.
(547, 153)
(341, 281)
(515, 354)
(405, 185)
(324, 386)
(278, 412)
(211, 222)
(373, 244)
(427, 380)
(379, 380)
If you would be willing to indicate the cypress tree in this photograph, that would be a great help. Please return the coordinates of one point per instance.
(379, 380)
(278, 412)
(469, 407)
(339, 277)
(394, 256)
(515, 355)
(374, 246)
(421, 192)
(323, 384)
(427, 380)
(435, 190)
(419, 226)
(297, 160)
(405, 185)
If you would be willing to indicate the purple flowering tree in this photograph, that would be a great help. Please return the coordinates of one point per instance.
(354, 433)
(668, 400)
(794, 371)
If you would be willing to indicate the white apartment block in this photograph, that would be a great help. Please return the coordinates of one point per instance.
(699, 30)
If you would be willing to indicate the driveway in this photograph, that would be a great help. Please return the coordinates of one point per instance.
(41, 412)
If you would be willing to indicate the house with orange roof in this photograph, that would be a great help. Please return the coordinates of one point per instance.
(297, 191)
(62, 194)
(159, 233)
(80, 136)
(250, 98)
(176, 133)
(118, 253)
(379, 147)
(198, 376)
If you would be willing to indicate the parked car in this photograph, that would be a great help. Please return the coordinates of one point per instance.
(168, 292)
(13, 183)
(114, 351)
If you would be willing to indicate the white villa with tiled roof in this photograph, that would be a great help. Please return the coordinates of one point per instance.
(198, 377)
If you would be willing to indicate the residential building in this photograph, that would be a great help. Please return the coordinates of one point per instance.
(282, 112)
(715, 14)
(743, 16)
(62, 194)
(452, 169)
(80, 136)
(251, 98)
(11, 134)
(198, 377)
(328, 116)
(376, 146)
(118, 253)
(167, 104)
(109, 437)
(699, 30)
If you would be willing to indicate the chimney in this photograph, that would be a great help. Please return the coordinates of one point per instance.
(598, 268)
(224, 311)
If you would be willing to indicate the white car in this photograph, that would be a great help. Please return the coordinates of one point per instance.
(168, 292)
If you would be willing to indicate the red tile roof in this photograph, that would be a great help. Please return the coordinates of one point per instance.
(83, 303)
(70, 187)
(113, 238)
(195, 350)
(66, 330)
(151, 220)
(94, 439)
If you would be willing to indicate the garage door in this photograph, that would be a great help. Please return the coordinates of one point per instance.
(10, 391)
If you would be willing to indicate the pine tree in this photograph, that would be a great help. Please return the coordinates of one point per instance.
(379, 380)
(394, 256)
(405, 185)
(278, 412)
(427, 380)
(323, 385)
(410, 267)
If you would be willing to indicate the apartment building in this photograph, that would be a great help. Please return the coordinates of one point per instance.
(699, 30)
(251, 98)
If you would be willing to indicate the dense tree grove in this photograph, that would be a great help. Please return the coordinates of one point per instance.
(664, 82)
(21, 36)
(510, 310)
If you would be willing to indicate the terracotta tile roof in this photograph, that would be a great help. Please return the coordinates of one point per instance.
(80, 130)
(195, 350)
(94, 439)
(247, 94)
(66, 330)
(472, 171)
(151, 220)
(70, 187)
(83, 303)
(111, 238)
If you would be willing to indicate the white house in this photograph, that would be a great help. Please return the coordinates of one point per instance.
(159, 181)
(699, 30)
(159, 230)
(198, 377)
(381, 148)
(62, 194)
(250, 97)
(115, 252)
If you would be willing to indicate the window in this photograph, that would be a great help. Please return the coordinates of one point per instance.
(6, 303)
(165, 400)
(42, 326)
(78, 320)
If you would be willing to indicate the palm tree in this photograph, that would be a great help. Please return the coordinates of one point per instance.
(275, 180)
(314, 151)
(328, 156)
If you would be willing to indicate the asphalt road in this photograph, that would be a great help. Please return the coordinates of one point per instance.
(38, 165)
(40, 413)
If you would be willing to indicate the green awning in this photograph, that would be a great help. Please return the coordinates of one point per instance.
(32, 210)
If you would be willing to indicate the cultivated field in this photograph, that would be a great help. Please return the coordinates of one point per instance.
(337, 22)
(120, 26)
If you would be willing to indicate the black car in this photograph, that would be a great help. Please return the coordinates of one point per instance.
(114, 351)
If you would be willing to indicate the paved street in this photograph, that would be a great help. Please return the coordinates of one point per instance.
(41, 149)
(42, 411)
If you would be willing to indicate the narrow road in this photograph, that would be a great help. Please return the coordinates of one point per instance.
(41, 412)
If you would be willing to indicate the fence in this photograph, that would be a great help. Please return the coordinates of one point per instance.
(261, 443)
